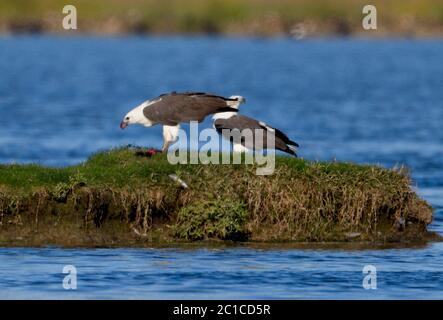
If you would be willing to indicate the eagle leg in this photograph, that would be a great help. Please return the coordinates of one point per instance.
(165, 146)
(170, 135)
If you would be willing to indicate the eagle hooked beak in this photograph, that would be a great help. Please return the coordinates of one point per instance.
(124, 123)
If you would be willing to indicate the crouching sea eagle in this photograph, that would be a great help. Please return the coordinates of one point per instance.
(231, 125)
(174, 108)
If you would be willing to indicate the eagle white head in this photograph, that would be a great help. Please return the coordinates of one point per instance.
(235, 103)
(136, 116)
(238, 101)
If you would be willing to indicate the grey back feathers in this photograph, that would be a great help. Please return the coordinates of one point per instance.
(173, 108)
(238, 123)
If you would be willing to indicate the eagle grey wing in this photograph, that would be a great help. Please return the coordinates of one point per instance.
(236, 122)
(239, 122)
(233, 127)
(282, 142)
(175, 108)
(279, 135)
(163, 109)
(204, 105)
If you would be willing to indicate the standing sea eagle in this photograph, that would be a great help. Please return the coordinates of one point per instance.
(230, 125)
(171, 109)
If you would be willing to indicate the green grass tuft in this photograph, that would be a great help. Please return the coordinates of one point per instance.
(223, 219)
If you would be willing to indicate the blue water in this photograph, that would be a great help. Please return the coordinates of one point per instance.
(378, 101)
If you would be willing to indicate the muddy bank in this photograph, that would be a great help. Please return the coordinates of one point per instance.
(122, 198)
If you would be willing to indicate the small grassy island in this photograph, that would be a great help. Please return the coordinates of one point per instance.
(122, 198)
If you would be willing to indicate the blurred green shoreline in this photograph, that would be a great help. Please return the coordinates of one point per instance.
(298, 18)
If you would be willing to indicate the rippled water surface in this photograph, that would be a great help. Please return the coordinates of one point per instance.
(353, 100)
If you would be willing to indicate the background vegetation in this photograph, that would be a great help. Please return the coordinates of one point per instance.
(242, 17)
